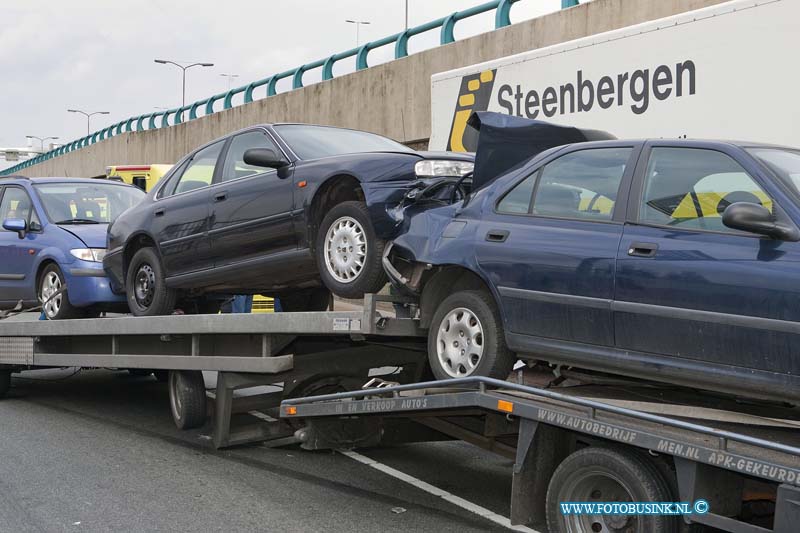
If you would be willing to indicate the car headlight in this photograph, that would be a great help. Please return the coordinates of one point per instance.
(434, 168)
(95, 255)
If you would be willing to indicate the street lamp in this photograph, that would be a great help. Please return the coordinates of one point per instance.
(230, 78)
(88, 116)
(184, 68)
(358, 24)
(41, 140)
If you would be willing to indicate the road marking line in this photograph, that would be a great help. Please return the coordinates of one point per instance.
(262, 416)
(436, 491)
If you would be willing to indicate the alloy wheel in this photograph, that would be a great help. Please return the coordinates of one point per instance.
(51, 284)
(459, 342)
(345, 249)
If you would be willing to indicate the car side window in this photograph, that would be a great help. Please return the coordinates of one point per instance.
(582, 184)
(691, 187)
(235, 167)
(17, 204)
(518, 200)
(199, 172)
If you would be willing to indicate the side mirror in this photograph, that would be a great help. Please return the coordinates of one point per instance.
(16, 224)
(755, 218)
(264, 157)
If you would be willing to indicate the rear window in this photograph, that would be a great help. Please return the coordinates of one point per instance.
(314, 142)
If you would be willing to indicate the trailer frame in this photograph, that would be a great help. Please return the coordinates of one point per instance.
(710, 462)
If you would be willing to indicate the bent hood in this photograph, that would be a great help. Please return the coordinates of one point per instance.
(93, 235)
(504, 141)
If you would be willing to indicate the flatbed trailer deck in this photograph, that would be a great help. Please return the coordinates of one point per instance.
(722, 462)
(290, 351)
(303, 356)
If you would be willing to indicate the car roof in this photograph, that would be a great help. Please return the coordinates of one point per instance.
(686, 142)
(56, 180)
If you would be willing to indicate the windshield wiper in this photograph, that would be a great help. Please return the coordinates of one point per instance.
(77, 221)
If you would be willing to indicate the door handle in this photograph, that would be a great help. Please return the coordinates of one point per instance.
(642, 249)
(221, 197)
(497, 235)
(159, 212)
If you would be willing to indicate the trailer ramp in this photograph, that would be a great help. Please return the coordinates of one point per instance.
(714, 460)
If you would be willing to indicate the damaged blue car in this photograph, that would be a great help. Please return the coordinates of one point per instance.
(667, 260)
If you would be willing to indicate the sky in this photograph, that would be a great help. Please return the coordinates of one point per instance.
(98, 55)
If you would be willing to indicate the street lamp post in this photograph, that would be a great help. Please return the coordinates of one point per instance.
(358, 24)
(88, 116)
(41, 140)
(184, 68)
(406, 15)
(230, 79)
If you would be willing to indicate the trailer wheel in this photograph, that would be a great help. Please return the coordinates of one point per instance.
(187, 398)
(466, 338)
(598, 474)
(5, 382)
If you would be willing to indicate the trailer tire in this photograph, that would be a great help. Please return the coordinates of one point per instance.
(187, 398)
(599, 474)
(5, 382)
(466, 338)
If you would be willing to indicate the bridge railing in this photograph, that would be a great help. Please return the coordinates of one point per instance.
(161, 119)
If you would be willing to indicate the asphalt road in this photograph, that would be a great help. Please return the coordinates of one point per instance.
(98, 451)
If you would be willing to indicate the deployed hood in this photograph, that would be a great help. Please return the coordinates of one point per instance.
(504, 141)
(93, 235)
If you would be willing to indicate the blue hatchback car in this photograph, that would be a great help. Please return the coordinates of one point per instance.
(669, 260)
(54, 237)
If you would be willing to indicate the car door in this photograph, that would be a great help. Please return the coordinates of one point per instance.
(180, 216)
(549, 245)
(18, 255)
(690, 287)
(251, 207)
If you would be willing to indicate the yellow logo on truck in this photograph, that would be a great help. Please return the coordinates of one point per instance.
(474, 95)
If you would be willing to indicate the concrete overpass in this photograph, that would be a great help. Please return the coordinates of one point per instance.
(392, 99)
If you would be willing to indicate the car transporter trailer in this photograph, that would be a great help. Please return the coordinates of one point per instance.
(601, 444)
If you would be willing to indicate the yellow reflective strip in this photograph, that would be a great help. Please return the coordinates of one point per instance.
(473, 85)
(487, 76)
(466, 100)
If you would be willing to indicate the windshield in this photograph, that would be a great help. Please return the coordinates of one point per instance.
(87, 203)
(314, 142)
(784, 163)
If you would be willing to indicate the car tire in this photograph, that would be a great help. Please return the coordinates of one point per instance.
(187, 397)
(146, 275)
(466, 338)
(607, 475)
(349, 253)
(58, 308)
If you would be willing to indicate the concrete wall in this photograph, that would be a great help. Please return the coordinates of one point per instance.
(392, 99)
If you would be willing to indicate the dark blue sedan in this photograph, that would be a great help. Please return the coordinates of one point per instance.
(289, 210)
(670, 260)
(53, 242)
